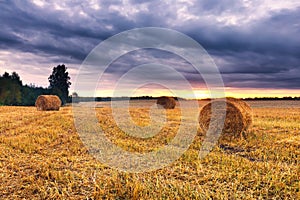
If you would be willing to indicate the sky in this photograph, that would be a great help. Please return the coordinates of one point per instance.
(254, 44)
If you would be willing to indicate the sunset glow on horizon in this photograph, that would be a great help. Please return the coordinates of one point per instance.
(204, 94)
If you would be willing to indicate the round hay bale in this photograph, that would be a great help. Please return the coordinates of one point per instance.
(48, 102)
(166, 102)
(238, 117)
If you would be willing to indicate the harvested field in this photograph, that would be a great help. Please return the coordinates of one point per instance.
(42, 157)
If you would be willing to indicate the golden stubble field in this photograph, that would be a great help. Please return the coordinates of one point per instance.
(42, 157)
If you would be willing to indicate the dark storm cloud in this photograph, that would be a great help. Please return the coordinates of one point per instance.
(270, 46)
(274, 36)
(145, 56)
(259, 52)
(30, 28)
(31, 31)
(289, 79)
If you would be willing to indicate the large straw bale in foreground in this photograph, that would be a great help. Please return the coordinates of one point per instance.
(166, 102)
(48, 102)
(238, 117)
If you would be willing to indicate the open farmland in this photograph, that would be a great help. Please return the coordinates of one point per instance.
(43, 157)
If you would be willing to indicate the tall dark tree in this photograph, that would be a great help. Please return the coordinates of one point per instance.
(60, 82)
(10, 89)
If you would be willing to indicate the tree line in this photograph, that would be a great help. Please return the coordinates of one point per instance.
(272, 98)
(13, 92)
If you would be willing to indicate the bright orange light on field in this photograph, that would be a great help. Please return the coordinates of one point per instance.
(200, 94)
(253, 92)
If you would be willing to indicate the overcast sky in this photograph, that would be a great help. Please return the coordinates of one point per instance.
(255, 44)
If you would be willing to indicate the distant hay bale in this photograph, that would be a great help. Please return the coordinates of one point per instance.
(166, 102)
(238, 117)
(48, 102)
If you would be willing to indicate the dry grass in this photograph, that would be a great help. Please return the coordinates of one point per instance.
(42, 157)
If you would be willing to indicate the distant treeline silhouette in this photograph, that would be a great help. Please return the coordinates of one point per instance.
(13, 92)
(271, 98)
(98, 99)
